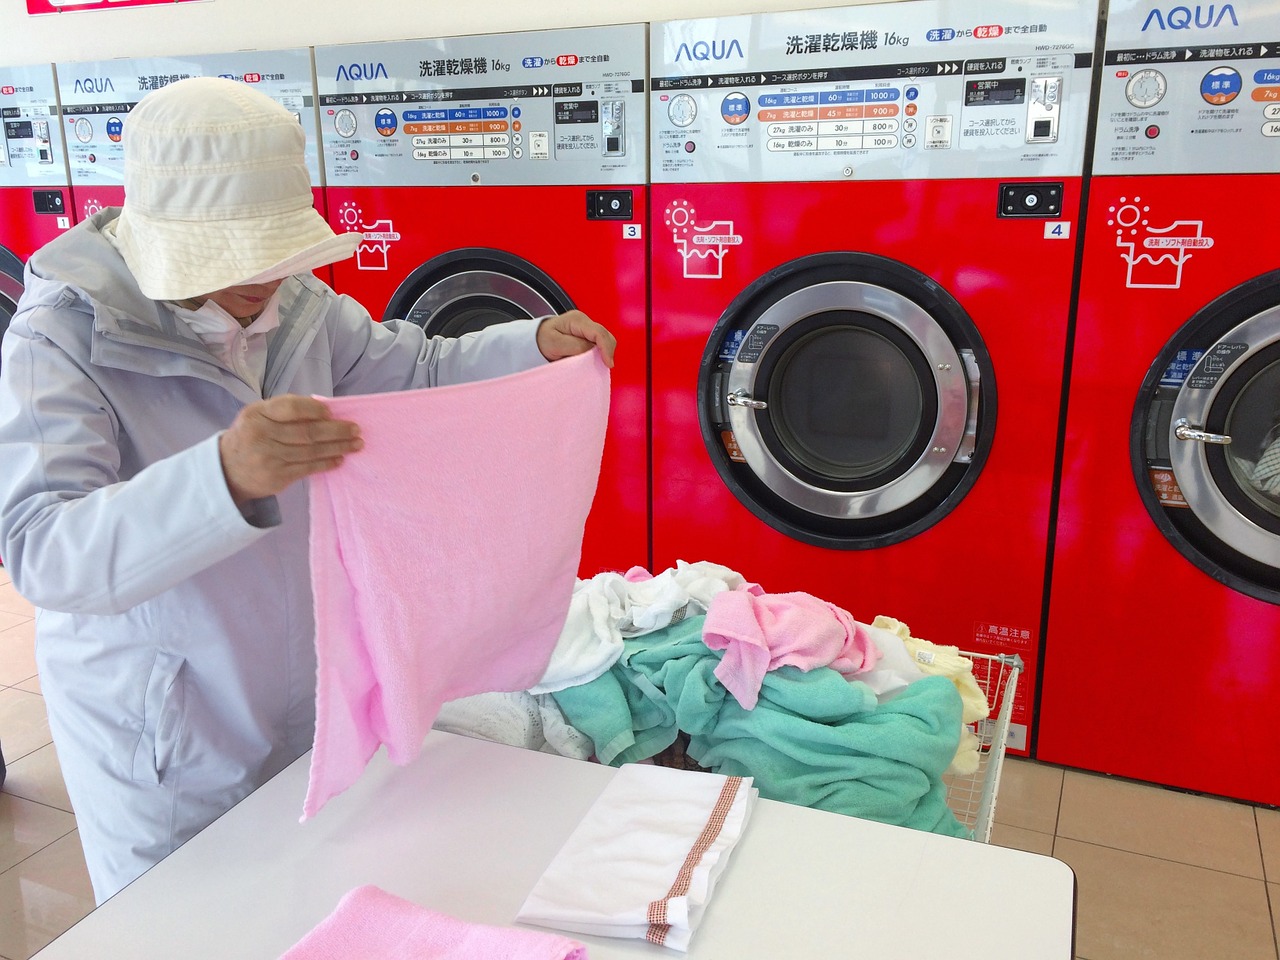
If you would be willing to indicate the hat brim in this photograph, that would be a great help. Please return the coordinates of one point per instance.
(180, 259)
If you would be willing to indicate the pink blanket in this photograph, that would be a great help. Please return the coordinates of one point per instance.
(371, 923)
(759, 633)
(444, 554)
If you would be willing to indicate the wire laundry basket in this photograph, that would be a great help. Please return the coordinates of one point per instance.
(972, 797)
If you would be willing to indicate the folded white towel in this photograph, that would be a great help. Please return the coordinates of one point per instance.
(645, 859)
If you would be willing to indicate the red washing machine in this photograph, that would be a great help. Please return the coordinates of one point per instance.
(863, 249)
(97, 96)
(503, 177)
(35, 197)
(1162, 654)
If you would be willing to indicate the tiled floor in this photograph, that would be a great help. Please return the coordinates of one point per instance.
(43, 884)
(1161, 874)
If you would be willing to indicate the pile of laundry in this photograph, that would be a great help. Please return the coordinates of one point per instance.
(820, 709)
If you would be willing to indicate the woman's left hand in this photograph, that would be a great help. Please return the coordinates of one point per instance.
(571, 333)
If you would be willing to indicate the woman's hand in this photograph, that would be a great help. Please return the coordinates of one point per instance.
(571, 333)
(272, 443)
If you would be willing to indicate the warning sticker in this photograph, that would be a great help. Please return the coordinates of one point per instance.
(731, 446)
(1166, 488)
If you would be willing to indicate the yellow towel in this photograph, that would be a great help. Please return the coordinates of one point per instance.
(933, 658)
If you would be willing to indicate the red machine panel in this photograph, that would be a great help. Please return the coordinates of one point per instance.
(1142, 630)
(1162, 651)
(862, 270)
(976, 578)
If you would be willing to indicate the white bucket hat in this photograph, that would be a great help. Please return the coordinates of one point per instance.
(217, 192)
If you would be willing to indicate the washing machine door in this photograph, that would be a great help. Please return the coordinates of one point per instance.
(847, 400)
(469, 289)
(1205, 439)
(10, 287)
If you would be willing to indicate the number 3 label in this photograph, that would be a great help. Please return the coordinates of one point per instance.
(631, 231)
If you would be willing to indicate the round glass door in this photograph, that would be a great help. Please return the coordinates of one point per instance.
(468, 290)
(847, 400)
(1207, 439)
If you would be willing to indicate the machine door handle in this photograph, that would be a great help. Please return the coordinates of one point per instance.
(964, 454)
(1183, 430)
(740, 398)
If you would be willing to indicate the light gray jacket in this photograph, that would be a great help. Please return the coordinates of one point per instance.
(174, 631)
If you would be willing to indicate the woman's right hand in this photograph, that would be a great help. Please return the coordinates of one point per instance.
(272, 443)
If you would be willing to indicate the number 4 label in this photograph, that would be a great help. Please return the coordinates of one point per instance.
(1057, 230)
(631, 231)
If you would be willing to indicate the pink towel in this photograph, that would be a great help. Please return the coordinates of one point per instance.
(444, 554)
(759, 633)
(371, 924)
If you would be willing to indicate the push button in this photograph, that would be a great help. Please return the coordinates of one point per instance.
(609, 205)
(1030, 199)
(48, 201)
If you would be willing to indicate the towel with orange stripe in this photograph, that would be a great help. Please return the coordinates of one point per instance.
(645, 860)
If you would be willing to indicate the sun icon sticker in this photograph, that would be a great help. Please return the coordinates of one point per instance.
(701, 246)
(679, 216)
(349, 215)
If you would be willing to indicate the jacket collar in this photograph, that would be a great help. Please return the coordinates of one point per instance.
(132, 332)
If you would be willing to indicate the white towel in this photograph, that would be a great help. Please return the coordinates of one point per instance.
(896, 669)
(685, 590)
(518, 720)
(590, 642)
(645, 860)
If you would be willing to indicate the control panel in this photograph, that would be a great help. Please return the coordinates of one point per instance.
(30, 138)
(97, 97)
(547, 107)
(923, 90)
(1198, 93)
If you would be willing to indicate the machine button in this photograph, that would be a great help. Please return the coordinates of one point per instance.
(609, 205)
(48, 201)
(1030, 200)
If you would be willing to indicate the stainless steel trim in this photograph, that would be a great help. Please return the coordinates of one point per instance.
(10, 287)
(949, 381)
(483, 283)
(1190, 462)
(974, 375)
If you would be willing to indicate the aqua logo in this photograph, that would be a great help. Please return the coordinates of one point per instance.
(1185, 18)
(715, 50)
(361, 71)
(94, 85)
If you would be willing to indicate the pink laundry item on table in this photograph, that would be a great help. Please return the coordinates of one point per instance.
(457, 489)
(759, 633)
(371, 924)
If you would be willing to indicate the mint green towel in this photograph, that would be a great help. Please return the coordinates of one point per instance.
(814, 739)
(628, 712)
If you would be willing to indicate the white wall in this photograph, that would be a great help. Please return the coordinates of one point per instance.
(217, 26)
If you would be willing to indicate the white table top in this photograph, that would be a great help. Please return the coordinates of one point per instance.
(469, 827)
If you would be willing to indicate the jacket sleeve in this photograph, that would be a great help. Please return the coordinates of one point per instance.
(371, 357)
(74, 536)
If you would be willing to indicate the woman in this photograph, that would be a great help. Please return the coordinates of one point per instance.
(156, 413)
